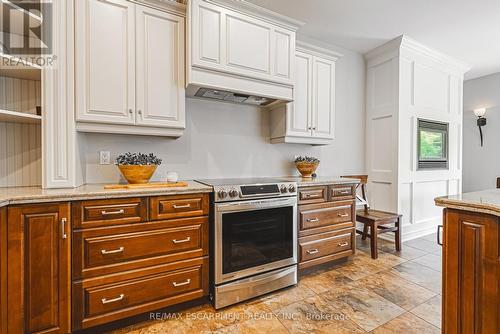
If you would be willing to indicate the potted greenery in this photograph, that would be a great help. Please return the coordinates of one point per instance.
(306, 165)
(137, 167)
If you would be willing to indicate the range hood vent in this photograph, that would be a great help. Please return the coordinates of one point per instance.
(222, 95)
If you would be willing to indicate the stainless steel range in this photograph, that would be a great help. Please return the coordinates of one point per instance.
(254, 233)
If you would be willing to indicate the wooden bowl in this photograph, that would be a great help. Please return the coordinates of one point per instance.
(137, 173)
(306, 169)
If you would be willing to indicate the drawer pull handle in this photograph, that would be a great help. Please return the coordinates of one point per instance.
(106, 213)
(312, 251)
(312, 220)
(312, 195)
(115, 251)
(175, 241)
(343, 244)
(343, 215)
(182, 206)
(117, 299)
(186, 282)
(344, 192)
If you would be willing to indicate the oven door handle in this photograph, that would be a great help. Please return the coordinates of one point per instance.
(256, 204)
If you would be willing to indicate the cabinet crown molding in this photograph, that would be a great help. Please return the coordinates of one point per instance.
(318, 51)
(171, 6)
(260, 12)
(397, 46)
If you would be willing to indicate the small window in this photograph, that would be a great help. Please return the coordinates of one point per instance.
(432, 145)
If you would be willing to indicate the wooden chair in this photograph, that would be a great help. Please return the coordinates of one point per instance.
(374, 220)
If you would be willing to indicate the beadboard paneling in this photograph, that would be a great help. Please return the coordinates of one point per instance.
(19, 95)
(20, 154)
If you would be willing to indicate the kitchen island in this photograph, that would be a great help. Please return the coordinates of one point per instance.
(471, 262)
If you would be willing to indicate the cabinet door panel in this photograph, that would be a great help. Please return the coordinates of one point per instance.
(105, 61)
(243, 39)
(39, 269)
(160, 69)
(298, 116)
(3, 271)
(323, 98)
(470, 273)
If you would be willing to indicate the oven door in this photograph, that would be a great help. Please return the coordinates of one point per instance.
(254, 236)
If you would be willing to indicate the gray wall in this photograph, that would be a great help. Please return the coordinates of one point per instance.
(228, 140)
(481, 164)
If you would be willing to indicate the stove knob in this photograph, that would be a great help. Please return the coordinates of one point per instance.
(291, 188)
(283, 189)
(233, 193)
(222, 194)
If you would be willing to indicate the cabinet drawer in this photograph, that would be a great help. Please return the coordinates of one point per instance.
(167, 207)
(312, 195)
(341, 192)
(324, 244)
(98, 213)
(100, 252)
(109, 298)
(325, 215)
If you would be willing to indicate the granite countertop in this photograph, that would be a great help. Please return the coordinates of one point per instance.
(21, 195)
(320, 181)
(487, 201)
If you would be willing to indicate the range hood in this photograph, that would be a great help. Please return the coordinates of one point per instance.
(239, 52)
(226, 96)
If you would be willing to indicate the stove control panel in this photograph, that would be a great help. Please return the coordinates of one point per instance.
(250, 191)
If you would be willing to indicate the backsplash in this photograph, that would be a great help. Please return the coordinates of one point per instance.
(230, 140)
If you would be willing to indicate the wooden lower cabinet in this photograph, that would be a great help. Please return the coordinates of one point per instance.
(140, 263)
(3, 270)
(109, 298)
(326, 222)
(39, 263)
(471, 270)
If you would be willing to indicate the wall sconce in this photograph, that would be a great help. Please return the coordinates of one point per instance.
(481, 121)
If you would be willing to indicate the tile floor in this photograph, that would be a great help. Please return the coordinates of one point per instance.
(400, 292)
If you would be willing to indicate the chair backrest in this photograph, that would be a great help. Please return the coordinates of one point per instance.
(363, 198)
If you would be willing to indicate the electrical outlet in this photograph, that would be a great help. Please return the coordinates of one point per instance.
(104, 157)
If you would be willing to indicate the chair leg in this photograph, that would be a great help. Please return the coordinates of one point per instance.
(365, 231)
(373, 240)
(398, 235)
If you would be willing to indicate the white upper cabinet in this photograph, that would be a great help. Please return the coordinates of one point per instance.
(105, 61)
(310, 118)
(129, 68)
(160, 68)
(250, 49)
(323, 111)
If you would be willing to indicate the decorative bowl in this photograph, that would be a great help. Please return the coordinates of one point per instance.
(137, 173)
(306, 169)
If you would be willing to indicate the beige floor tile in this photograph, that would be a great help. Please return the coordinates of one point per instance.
(315, 315)
(408, 324)
(430, 311)
(396, 290)
(255, 326)
(287, 296)
(432, 261)
(366, 308)
(419, 274)
(324, 281)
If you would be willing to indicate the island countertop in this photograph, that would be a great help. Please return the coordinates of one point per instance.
(22, 195)
(486, 201)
